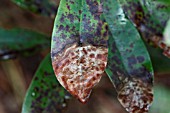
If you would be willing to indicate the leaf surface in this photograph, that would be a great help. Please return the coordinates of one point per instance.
(129, 66)
(79, 46)
(45, 94)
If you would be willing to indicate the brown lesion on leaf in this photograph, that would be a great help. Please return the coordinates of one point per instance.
(80, 68)
(136, 96)
(158, 41)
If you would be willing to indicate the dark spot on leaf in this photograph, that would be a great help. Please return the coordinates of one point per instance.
(140, 59)
(132, 60)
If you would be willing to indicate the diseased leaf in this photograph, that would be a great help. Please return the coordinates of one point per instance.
(21, 41)
(129, 66)
(93, 30)
(43, 7)
(150, 17)
(79, 46)
(45, 94)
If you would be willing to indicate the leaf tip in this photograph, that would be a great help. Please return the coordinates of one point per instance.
(136, 96)
(79, 69)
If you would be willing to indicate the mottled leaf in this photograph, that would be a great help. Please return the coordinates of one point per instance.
(150, 17)
(43, 7)
(45, 94)
(129, 66)
(21, 41)
(93, 30)
(79, 46)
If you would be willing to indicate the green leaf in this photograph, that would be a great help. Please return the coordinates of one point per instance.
(150, 17)
(43, 7)
(45, 95)
(21, 41)
(128, 61)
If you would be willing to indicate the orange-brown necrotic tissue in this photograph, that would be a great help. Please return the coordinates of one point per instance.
(79, 69)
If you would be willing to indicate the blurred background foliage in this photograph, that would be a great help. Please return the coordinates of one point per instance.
(16, 74)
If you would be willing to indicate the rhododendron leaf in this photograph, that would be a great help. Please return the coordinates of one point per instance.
(79, 46)
(129, 66)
